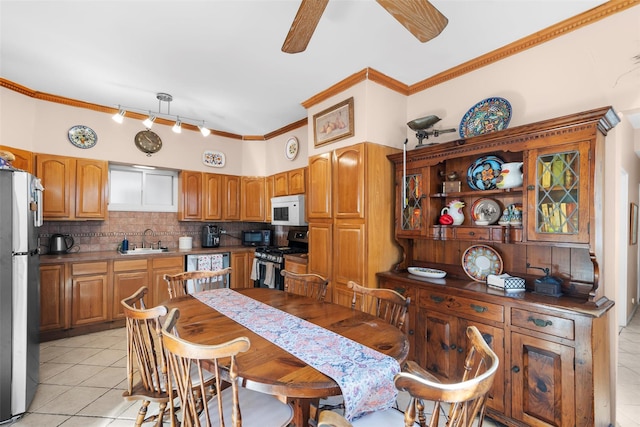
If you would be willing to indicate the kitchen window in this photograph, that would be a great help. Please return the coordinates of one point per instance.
(145, 189)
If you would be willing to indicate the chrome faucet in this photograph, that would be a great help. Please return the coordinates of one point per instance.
(146, 233)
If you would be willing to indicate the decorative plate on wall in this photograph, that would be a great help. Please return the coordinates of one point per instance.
(82, 136)
(488, 115)
(214, 159)
(291, 148)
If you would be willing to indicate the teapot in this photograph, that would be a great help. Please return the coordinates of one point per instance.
(60, 244)
(454, 209)
(510, 175)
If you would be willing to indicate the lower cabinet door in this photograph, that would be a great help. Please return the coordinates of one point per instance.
(441, 351)
(542, 374)
(125, 284)
(52, 300)
(89, 300)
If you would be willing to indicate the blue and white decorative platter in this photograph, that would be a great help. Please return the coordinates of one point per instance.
(214, 159)
(478, 261)
(482, 173)
(489, 115)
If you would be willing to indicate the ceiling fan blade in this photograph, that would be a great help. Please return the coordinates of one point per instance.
(420, 17)
(304, 25)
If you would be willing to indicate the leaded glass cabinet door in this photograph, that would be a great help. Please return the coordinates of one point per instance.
(411, 219)
(558, 190)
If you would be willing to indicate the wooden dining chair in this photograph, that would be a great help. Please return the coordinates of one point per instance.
(467, 398)
(233, 404)
(387, 304)
(195, 281)
(144, 353)
(308, 285)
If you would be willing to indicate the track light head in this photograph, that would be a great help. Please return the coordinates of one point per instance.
(148, 122)
(119, 116)
(177, 128)
(203, 130)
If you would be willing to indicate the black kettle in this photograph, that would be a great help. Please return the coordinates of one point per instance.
(60, 244)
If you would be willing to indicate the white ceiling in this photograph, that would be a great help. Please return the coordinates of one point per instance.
(221, 59)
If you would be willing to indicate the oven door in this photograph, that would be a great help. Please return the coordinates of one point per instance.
(266, 274)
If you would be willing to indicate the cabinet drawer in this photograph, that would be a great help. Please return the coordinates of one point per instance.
(461, 306)
(551, 325)
(130, 264)
(89, 268)
(167, 262)
(469, 233)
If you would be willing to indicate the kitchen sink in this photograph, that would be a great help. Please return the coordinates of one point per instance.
(143, 251)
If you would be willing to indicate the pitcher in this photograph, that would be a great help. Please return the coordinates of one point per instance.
(454, 209)
(510, 175)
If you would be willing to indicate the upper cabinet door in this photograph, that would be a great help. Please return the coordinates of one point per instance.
(212, 203)
(24, 158)
(297, 181)
(319, 194)
(281, 184)
(252, 198)
(349, 182)
(231, 207)
(91, 189)
(558, 194)
(58, 178)
(190, 207)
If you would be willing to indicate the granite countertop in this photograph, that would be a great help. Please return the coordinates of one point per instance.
(111, 255)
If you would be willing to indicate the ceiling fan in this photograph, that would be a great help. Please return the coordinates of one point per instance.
(420, 17)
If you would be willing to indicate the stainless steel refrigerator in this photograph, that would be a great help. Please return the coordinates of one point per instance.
(20, 199)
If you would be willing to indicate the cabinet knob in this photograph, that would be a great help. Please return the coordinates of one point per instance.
(531, 187)
(516, 369)
(411, 332)
(460, 349)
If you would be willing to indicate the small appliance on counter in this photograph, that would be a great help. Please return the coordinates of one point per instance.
(256, 238)
(60, 244)
(210, 236)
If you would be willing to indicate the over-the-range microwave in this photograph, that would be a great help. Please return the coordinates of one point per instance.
(288, 210)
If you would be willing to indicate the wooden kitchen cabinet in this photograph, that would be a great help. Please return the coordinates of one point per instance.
(241, 264)
(297, 181)
(553, 362)
(213, 196)
(159, 290)
(320, 186)
(231, 207)
(252, 196)
(90, 294)
(350, 196)
(52, 297)
(281, 184)
(128, 276)
(190, 197)
(269, 189)
(24, 158)
(76, 189)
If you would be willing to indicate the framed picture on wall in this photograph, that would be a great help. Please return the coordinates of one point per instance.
(633, 224)
(334, 123)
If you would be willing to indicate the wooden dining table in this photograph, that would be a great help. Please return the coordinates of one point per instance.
(267, 368)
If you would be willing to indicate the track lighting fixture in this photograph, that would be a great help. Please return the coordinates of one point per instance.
(148, 122)
(119, 116)
(151, 118)
(204, 130)
(177, 128)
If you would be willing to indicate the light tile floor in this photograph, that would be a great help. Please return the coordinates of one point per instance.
(628, 385)
(82, 380)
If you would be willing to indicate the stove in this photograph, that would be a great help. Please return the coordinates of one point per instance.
(269, 260)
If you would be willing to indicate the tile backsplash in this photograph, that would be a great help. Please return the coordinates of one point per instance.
(93, 236)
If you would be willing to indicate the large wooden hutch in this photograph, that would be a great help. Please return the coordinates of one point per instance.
(554, 351)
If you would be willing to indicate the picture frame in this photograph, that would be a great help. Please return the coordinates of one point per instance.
(633, 224)
(334, 123)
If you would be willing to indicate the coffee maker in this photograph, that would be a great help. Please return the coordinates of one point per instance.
(210, 236)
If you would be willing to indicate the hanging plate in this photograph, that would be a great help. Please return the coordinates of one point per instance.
(479, 261)
(488, 115)
(214, 159)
